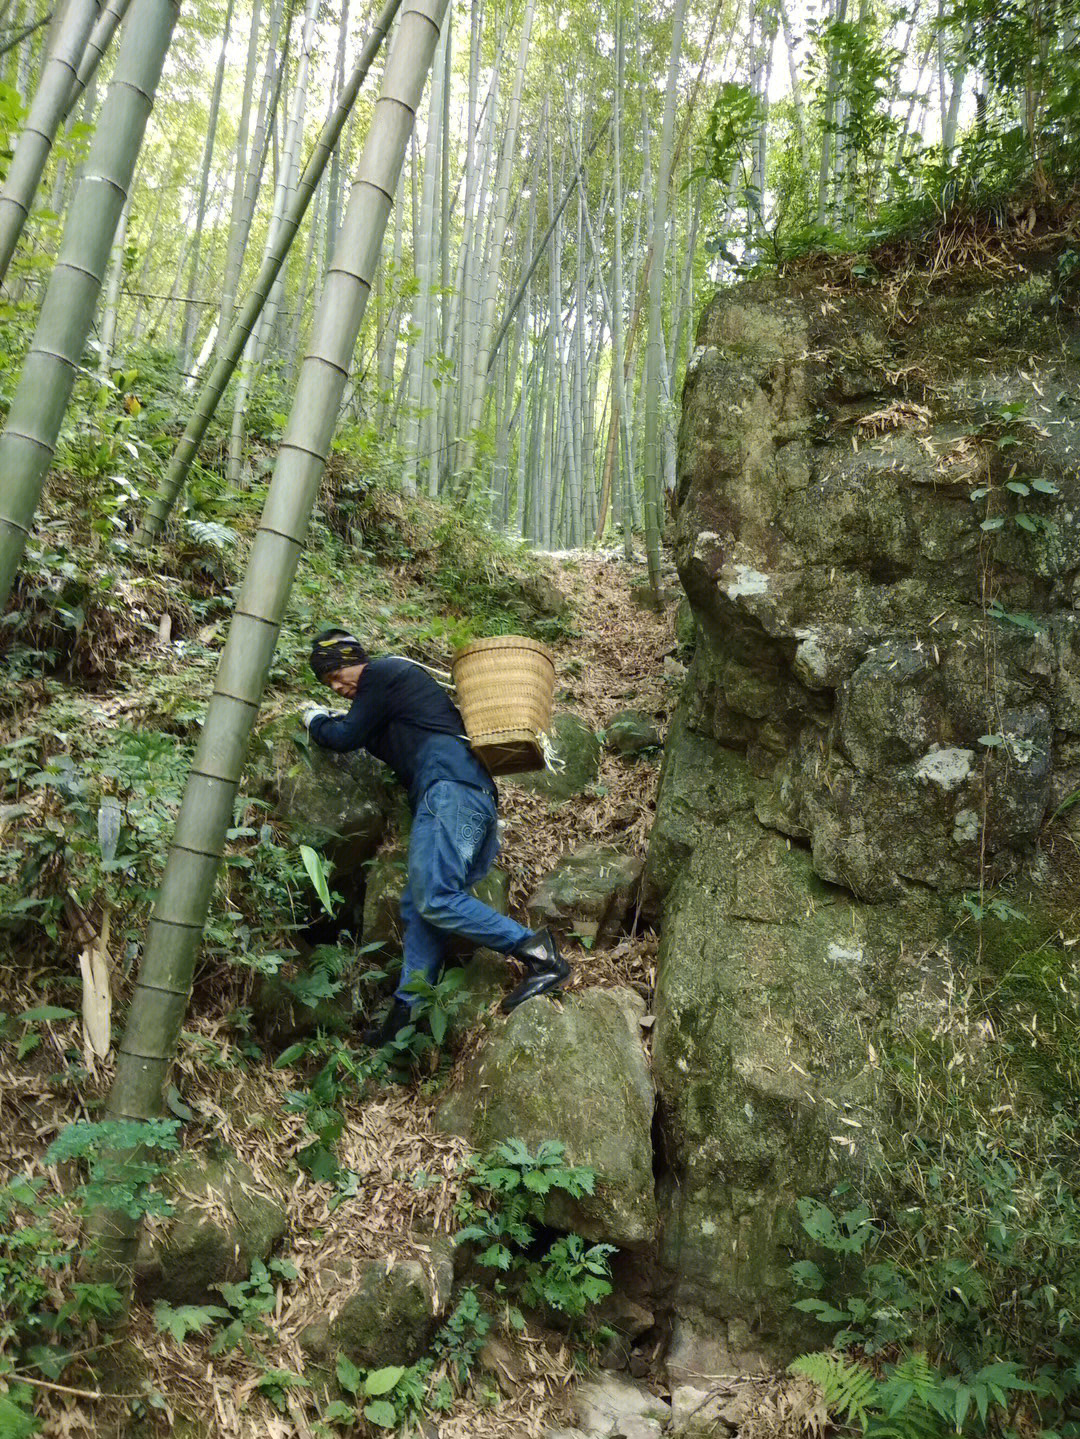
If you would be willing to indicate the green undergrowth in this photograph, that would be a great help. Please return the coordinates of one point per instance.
(113, 653)
(954, 1306)
(52, 1308)
(110, 655)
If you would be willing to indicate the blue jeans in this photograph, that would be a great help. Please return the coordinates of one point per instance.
(454, 842)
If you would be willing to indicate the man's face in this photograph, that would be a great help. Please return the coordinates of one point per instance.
(344, 681)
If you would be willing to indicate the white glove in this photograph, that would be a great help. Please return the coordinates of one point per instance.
(313, 712)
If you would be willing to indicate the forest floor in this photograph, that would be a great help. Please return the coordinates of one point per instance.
(616, 653)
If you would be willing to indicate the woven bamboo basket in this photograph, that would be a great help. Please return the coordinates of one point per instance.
(505, 689)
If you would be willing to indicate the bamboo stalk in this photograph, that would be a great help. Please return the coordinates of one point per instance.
(41, 398)
(160, 997)
(46, 114)
(214, 386)
(100, 39)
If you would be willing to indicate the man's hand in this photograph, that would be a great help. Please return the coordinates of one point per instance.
(313, 712)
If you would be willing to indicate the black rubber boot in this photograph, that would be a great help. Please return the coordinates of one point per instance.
(545, 969)
(379, 1034)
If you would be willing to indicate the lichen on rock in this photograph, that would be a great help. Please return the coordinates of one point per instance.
(881, 712)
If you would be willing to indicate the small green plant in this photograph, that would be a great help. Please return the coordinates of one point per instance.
(248, 1302)
(569, 1277)
(462, 1336)
(183, 1319)
(438, 1003)
(31, 1019)
(386, 1397)
(278, 1384)
(121, 1156)
(503, 1207)
(318, 871)
(518, 1182)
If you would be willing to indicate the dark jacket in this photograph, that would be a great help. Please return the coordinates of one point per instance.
(403, 717)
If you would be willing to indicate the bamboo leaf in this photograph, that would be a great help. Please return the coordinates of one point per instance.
(316, 872)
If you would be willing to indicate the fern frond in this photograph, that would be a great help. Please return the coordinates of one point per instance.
(849, 1389)
(210, 533)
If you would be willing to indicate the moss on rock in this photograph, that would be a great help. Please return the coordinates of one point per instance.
(572, 1070)
(223, 1219)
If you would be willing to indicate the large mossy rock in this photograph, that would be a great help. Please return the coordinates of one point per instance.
(839, 587)
(385, 1311)
(223, 1220)
(770, 982)
(863, 737)
(631, 733)
(589, 892)
(572, 1070)
(340, 803)
(575, 761)
(700, 783)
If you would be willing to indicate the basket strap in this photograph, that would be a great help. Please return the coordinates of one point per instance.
(448, 687)
(439, 676)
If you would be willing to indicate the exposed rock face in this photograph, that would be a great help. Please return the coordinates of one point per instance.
(837, 567)
(572, 1070)
(860, 739)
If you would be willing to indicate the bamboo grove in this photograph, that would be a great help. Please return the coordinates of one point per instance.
(578, 176)
(476, 276)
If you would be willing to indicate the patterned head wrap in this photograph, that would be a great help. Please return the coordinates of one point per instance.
(336, 650)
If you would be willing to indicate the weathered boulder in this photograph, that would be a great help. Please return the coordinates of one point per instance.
(631, 732)
(385, 1311)
(339, 803)
(223, 1219)
(572, 1070)
(614, 1405)
(589, 892)
(712, 1412)
(544, 595)
(575, 761)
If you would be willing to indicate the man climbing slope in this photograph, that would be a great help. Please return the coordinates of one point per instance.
(401, 716)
